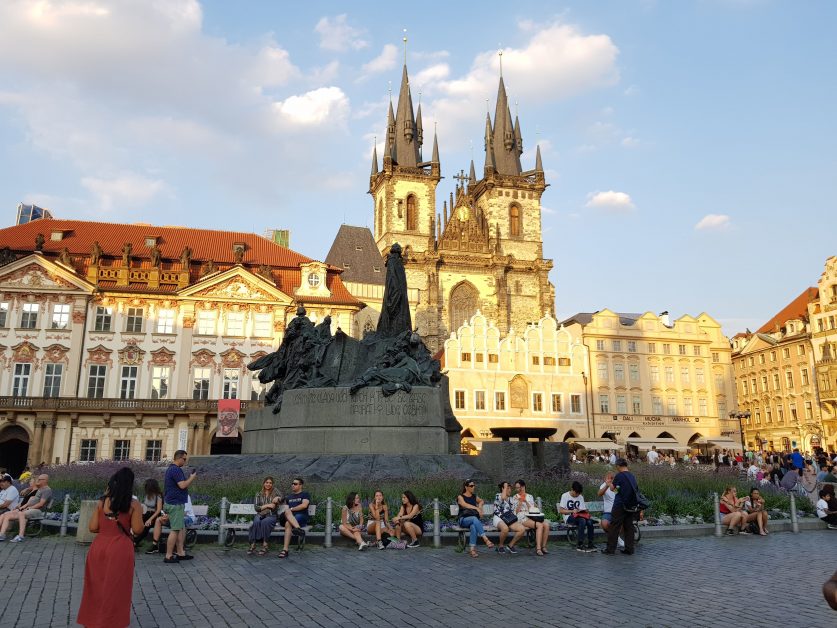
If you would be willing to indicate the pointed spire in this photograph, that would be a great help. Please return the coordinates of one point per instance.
(375, 158)
(518, 138)
(506, 157)
(435, 158)
(538, 162)
(406, 151)
(419, 130)
(472, 176)
(390, 146)
(489, 144)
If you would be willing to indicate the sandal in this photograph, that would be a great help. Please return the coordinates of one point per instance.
(251, 551)
(262, 552)
(473, 553)
(489, 544)
(543, 549)
(539, 552)
(283, 553)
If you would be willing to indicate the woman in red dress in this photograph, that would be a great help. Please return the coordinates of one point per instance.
(109, 572)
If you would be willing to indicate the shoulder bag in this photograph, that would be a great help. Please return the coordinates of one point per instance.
(508, 517)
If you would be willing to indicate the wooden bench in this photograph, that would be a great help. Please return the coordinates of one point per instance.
(594, 508)
(487, 511)
(200, 510)
(249, 511)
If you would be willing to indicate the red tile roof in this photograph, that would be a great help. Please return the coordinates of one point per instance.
(796, 309)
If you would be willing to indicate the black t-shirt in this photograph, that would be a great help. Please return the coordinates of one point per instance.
(295, 499)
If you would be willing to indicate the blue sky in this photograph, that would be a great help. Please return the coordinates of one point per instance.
(689, 146)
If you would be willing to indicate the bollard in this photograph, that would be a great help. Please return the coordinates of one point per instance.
(437, 533)
(329, 516)
(794, 519)
(222, 521)
(65, 515)
(717, 501)
(539, 501)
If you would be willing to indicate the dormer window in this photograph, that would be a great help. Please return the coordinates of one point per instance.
(313, 280)
(57, 235)
(150, 241)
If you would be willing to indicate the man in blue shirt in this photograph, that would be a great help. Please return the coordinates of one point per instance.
(175, 496)
(797, 459)
(624, 510)
(295, 515)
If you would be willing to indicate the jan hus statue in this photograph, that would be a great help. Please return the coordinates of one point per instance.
(395, 312)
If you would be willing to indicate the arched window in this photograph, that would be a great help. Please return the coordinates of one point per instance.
(412, 219)
(514, 220)
(462, 304)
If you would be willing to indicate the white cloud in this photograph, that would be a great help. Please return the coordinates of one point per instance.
(430, 75)
(713, 222)
(630, 142)
(337, 35)
(610, 201)
(127, 191)
(383, 62)
(315, 107)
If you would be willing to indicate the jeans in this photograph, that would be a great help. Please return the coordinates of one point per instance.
(582, 523)
(475, 525)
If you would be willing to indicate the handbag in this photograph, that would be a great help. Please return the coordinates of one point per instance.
(468, 512)
(508, 517)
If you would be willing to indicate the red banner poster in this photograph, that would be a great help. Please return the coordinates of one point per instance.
(228, 413)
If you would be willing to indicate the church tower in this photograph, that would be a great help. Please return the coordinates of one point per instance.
(404, 189)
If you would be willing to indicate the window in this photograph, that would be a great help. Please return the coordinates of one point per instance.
(235, 324)
(772, 356)
(768, 415)
(617, 345)
(411, 213)
(20, 383)
(696, 349)
(557, 405)
(744, 387)
(681, 349)
(200, 385)
(121, 449)
(700, 377)
(537, 402)
(153, 450)
(548, 360)
(313, 280)
(206, 323)
(716, 357)
(800, 349)
(514, 220)
(636, 404)
(780, 414)
(493, 358)
(685, 376)
(666, 348)
(459, 399)
(719, 383)
(602, 371)
(758, 417)
(160, 381)
(165, 321)
(604, 404)
(600, 345)
(87, 453)
(564, 362)
(809, 411)
(804, 373)
(4, 313)
(764, 383)
(753, 386)
(669, 375)
(621, 404)
(575, 404)
(671, 406)
(104, 318)
(231, 383)
(633, 373)
(128, 382)
(499, 401)
(786, 353)
(29, 317)
(479, 400)
(536, 360)
(776, 385)
(133, 321)
(60, 316)
(619, 373)
(96, 381)
(652, 347)
(656, 405)
(465, 357)
(262, 327)
(789, 379)
(750, 361)
(655, 374)
(794, 415)
(687, 406)
(761, 358)
(722, 408)
(52, 379)
(632, 346)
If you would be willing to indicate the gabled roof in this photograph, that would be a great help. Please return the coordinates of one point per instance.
(796, 309)
(354, 251)
(585, 318)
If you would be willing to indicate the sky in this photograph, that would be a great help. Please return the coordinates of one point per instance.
(688, 146)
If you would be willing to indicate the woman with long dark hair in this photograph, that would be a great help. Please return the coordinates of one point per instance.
(152, 506)
(109, 571)
(409, 519)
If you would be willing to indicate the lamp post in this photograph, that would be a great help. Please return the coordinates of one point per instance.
(739, 416)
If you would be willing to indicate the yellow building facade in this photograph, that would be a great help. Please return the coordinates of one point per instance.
(822, 313)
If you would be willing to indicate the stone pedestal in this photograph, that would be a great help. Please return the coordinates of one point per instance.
(507, 460)
(331, 421)
(83, 533)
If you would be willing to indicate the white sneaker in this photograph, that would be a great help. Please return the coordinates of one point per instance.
(620, 544)
(381, 545)
(17, 539)
(362, 545)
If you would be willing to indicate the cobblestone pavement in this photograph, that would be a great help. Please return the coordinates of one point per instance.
(742, 581)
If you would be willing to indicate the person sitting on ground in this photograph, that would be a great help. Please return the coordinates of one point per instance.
(410, 519)
(829, 474)
(152, 506)
(827, 508)
(470, 512)
(608, 493)
(531, 518)
(32, 509)
(752, 472)
(732, 514)
(9, 496)
(791, 477)
(351, 521)
(378, 522)
(503, 511)
(754, 507)
(295, 517)
(266, 503)
(575, 512)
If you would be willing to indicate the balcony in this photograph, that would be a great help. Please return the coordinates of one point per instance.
(69, 404)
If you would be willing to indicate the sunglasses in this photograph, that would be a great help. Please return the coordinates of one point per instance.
(294, 483)
(471, 485)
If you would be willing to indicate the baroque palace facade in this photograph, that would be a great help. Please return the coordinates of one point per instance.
(116, 340)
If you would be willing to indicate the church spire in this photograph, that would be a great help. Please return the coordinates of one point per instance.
(435, 158)
(489, 144)
(406, 148)
(506, 155)
(518, 138)
(472, 175)
(389, 150)
(419, 130)
(375, 158)
(538, 162)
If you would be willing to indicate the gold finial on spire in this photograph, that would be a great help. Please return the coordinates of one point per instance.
(405, 46)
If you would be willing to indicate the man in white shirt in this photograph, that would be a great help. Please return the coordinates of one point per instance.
(575, 512)
(752, 472)
(652, 455)
(827, 510)
(9, 495)
(612, 458)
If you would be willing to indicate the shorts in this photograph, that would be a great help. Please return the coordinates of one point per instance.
(176, 514)
(34, 513)
(607, 516)
(301, 518)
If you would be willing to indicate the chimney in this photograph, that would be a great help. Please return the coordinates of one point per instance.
(665, 319)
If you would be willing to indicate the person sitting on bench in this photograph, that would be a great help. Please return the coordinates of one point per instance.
(575, 512)
(33, 509)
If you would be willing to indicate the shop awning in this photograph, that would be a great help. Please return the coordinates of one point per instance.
(659, 443)
(595, 444)
(720, 441)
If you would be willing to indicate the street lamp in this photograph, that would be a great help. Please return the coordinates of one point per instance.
(739, 416)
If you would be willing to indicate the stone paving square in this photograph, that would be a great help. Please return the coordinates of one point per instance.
(669, 582)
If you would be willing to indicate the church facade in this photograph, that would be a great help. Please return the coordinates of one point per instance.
(483, 252)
